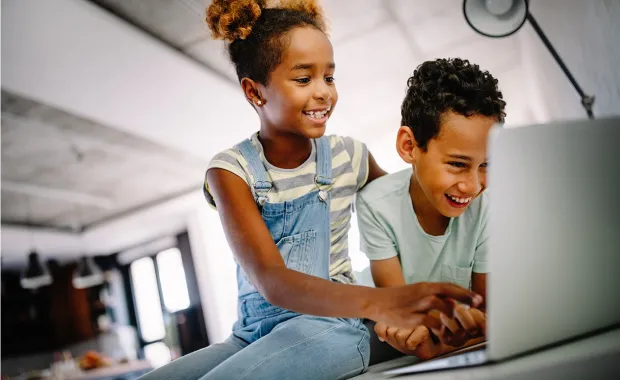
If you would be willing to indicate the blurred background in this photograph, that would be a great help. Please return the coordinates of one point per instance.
(111, 110)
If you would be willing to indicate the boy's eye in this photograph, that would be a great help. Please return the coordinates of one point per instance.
(330, 79)
(485, 165)
(302, 80)
(457, 164)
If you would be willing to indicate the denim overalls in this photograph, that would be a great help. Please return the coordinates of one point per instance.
(269, 342)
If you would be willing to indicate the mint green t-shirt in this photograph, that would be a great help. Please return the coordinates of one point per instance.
(389, 227)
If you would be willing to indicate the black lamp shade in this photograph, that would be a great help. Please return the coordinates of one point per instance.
(88, 274)
(35, 275)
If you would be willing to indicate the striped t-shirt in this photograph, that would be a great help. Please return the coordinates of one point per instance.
(349, 172)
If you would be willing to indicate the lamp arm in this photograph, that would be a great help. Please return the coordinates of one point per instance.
(586, 100)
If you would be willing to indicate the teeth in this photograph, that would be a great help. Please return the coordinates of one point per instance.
(460, 200)
(317, 114)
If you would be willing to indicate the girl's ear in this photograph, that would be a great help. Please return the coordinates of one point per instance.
(252, 92)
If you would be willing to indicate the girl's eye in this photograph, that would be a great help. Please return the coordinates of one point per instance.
(330, 79)
(457, 164)
(302, 80)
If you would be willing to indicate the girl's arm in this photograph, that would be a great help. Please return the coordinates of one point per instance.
(259, 257)
(374, 170)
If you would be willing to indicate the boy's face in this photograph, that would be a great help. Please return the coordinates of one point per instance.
(452, 170)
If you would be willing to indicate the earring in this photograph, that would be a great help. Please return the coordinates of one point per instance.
(259, 103)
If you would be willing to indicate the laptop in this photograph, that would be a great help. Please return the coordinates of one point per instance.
(554, 240)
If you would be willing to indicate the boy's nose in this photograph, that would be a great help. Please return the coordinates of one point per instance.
(471, 185)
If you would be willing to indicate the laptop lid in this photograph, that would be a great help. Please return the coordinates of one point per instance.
(554, 233)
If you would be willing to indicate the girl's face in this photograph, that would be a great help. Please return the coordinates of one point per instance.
(301, 94)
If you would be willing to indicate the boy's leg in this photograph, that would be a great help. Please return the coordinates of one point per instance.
(304, 347)
(198, 363)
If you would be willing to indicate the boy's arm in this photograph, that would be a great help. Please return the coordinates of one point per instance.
(387, 273)
(481, 264)
(479, 286)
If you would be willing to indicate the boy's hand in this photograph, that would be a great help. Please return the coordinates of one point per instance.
(467, 323)
(417, 342)
(409, 306)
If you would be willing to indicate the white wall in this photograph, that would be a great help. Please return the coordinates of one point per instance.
(586, 34)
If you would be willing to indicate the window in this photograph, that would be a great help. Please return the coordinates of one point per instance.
(172, 280)
(146, 295)
(157, 353)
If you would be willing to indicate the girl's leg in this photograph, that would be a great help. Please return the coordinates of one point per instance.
(304, 347)
(198, 363)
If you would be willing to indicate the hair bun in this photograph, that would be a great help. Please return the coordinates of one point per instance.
(233, 19)
(311, 7)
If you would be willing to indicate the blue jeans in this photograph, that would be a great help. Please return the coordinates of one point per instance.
(303, 347)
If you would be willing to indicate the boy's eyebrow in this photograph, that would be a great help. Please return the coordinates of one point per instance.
(306, 66)
(460, 157)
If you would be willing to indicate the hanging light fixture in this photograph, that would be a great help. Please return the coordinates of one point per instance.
(87, 274)
(502, 18)
(36, 274)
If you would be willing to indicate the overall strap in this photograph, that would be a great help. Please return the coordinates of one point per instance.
(262, 185)
(323, 177)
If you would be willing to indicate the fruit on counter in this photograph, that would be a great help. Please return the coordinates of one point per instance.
(92, 360)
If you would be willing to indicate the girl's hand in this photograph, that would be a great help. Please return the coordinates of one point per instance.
(409, 306)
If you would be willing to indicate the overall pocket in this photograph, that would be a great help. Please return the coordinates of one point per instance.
(298, 251)
(456, 275)
(256, 309)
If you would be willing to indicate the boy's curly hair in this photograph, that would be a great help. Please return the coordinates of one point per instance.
(254, 30)
(448, 85)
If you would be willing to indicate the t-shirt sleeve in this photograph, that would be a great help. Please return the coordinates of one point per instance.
(375, 241)
(481, 254)
(359, 159)
(229, 160)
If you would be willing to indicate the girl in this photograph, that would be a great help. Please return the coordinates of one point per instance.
(284, 197)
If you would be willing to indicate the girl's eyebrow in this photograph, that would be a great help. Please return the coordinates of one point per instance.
(306, 66)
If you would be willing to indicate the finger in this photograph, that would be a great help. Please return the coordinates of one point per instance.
(443, 335)
(450, 323)
(427, 349)
(444, 289)
(431, 320)
(465, 318)
(402, 335)
(393, 341)
(417, 337)
(391, 334)
(435, 303)
(381, 330)
(480, 319)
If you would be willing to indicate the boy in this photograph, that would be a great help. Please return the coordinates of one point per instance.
(429, 222)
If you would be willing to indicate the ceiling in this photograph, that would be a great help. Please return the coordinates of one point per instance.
(377, 44)
(69, 173)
